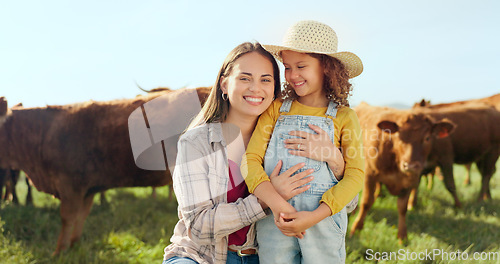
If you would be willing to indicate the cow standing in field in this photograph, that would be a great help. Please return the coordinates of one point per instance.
(396, 144)
(476, 139)
(75, 151)
(493, 101)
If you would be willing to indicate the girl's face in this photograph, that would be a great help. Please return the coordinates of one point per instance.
(304, 73)
(250, 85)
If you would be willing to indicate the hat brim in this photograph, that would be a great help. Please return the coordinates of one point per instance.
(350, 60)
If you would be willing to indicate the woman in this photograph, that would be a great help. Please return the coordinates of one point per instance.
(216, 212)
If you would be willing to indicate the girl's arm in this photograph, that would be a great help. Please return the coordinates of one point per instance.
(336, 163)
(206, 220)
(352, 148)
(266, 192)
(252, 162)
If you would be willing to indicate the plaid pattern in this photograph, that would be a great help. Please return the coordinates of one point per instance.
(200, 181)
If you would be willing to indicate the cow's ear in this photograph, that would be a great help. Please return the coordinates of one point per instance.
(3, 106)
(388, 126)
(443, 128)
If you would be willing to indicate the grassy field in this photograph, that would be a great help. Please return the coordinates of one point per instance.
(134, 228)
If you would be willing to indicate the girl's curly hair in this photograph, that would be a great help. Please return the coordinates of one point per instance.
(335, 81)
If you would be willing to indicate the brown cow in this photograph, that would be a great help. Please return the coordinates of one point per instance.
(75, 151)
(476, 140)
(493, 100)
(396, 145)
(153, 192)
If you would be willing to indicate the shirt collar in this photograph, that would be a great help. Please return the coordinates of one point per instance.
(215, 134)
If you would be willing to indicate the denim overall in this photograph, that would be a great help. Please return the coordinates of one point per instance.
(324, 242)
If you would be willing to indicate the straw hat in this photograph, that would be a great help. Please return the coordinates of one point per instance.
(314, 37)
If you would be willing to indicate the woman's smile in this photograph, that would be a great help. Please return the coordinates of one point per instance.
(254, 100)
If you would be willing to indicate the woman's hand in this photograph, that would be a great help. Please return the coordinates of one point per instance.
(317, 147)
(288, 186)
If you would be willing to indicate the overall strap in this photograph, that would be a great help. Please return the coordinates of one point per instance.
(332, 109)
(285, 107)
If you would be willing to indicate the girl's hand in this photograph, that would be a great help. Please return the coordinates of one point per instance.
(287, 186)
(297, 222)
(317, 147)
(266, 192)
(286, 209)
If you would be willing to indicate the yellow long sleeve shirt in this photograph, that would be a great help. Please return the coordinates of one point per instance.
(347, 136)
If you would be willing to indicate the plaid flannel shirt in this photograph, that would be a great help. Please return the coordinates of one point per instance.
(200, 182)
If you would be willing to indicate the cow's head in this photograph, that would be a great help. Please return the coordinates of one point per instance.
(412, 136)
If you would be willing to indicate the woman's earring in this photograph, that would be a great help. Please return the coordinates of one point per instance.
(225, 99)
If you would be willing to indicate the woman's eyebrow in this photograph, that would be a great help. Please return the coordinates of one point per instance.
(263, 75)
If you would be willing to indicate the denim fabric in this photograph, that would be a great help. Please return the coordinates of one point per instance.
(179, 260)
(324, 242)
(233, 258)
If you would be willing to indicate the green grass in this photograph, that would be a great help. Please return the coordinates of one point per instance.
(134, 228)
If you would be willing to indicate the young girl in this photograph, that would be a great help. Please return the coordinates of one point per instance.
(308, 126)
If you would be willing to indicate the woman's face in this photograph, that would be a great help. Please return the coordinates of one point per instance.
(304, 73)
(250, 85)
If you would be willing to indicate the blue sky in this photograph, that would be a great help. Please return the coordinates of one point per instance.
(60, 52)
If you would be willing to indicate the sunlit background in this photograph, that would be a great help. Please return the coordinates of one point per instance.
(61, 52)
